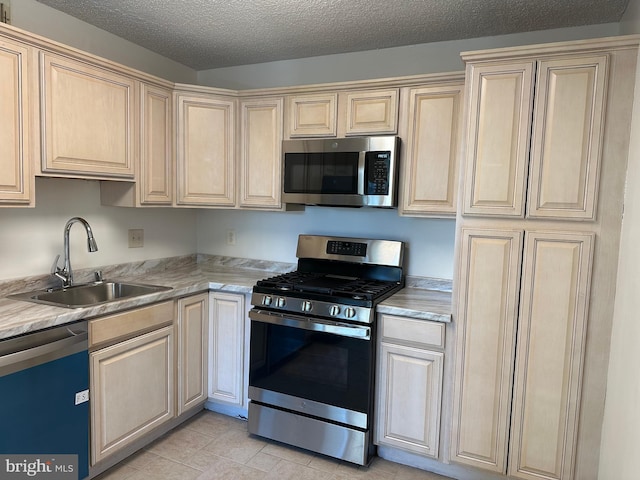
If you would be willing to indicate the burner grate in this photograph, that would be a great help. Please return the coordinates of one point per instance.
(334, 285)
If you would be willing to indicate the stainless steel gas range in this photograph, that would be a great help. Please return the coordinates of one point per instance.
(312, 351)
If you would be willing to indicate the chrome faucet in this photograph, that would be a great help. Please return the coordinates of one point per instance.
(65, 274)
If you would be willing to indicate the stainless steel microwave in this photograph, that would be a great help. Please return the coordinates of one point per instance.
(347, 172)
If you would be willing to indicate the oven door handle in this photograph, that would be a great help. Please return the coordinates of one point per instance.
(314, 324)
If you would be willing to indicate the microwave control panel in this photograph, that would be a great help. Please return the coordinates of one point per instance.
(378, 166)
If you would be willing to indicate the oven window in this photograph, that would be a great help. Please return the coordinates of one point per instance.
(324, 173)
(323, 367)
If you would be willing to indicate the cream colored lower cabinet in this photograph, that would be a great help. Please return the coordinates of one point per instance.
(485, 342)
(554, 302)
(193, 328)
(132, 380)
(520, 331)
(409, 379)
(227, 349)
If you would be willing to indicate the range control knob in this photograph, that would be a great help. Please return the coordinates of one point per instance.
(307, 306)
(267, 300)
(350, 312)
(334, 311)
(281, 302)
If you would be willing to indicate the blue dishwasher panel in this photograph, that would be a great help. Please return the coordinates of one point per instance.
(38, 413)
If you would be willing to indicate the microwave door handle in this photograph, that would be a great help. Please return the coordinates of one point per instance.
(336, 328)
(361, 172)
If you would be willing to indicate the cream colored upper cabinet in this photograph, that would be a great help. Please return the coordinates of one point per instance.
(549, 358)
(566, 143)
(312, 115)
(88, 120)
(345, 113)
(261, 130)
(371, 112)
(486, 328)
(18, 111)
(155, 179)
(431, 150)
(205, 150)
(555, 137)
(498, 132)
(156, 146)
(193, 338)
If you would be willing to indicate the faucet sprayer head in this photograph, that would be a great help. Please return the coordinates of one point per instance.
(91, 242)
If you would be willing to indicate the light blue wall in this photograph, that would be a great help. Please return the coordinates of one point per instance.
(388, 62)
(31, 238)
(273, 235)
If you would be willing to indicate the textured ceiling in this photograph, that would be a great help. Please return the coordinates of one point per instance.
(204, 34)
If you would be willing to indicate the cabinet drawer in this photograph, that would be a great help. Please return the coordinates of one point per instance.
(411, 331)
(126, 324)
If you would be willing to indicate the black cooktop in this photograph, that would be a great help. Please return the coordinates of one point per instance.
(328, 285)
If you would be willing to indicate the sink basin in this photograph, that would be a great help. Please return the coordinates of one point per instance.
(90, 294)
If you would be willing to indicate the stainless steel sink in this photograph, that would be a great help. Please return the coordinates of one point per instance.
(90, 294)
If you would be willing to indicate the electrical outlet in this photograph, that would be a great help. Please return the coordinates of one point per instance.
(231, 237)
(82, 397)
(136, 238)
(5, 12)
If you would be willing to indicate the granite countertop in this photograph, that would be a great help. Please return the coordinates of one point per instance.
(419, 303)
(186, 276)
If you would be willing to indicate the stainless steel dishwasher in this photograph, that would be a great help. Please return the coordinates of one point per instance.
(44, 393)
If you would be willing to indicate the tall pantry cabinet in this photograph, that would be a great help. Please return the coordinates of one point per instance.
(537, 242)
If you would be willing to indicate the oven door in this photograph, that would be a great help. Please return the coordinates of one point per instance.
(317, 367)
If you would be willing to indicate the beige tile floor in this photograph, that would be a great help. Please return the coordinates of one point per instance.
(213, 446)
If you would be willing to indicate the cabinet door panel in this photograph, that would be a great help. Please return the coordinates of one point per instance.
(499, 129)
(88, 120)
(156, 146)
(569, 112)
(551, 337)
(313, 115)
(410, 380)
(131, 390)
(226, 360)
(261, 152)
(431, 152)
(372, 113)
(193, 333)
(16, 111)
(206, 172)
(486, 322)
